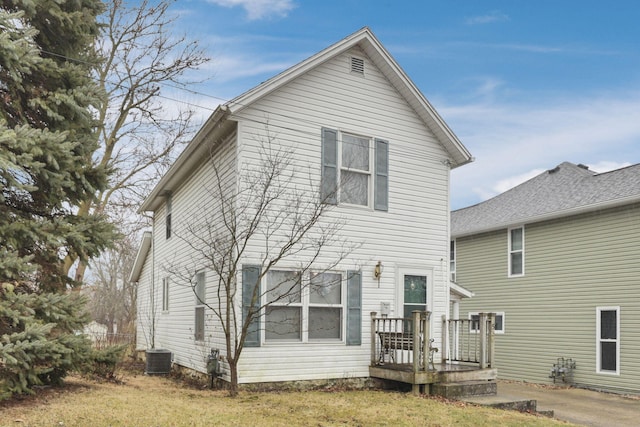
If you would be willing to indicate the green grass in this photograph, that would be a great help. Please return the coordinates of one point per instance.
(155, 401)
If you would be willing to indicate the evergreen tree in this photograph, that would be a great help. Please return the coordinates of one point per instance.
(38, 340)
(47, 137)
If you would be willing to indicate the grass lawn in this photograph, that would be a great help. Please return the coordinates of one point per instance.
(141, 400)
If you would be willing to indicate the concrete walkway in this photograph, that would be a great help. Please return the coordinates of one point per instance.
(584, 407)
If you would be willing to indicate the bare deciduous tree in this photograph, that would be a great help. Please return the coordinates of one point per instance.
(112, 298)
(139, 135)
(265, 206)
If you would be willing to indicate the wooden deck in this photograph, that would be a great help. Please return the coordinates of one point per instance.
(443, 373)
(401, 350)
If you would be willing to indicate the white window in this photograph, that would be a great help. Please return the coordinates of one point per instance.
(355, 170)
(608, 340)
(325, 306)
(168, 217)
(475, 323)
(165, 294)
(200, 295)
(304, 313)
(516, 251)
(283, 317)
(452, 260)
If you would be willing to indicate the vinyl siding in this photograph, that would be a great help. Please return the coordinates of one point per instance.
(144, 301)
(572, 266)
(193, 205)
(412, 234)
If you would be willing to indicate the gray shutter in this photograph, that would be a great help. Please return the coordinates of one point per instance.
(329, 184)
(381, 185)
(250, 276)
(354, 308)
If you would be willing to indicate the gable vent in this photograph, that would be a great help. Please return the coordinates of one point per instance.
(357, 65)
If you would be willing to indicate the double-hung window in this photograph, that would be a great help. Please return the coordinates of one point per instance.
(355, 170)
(283, 318)
(200, 295)
(452, 260)
(608, 340)
(309, 312)
(325, 306)
(516, 251)
(303, 308)
(167, 218)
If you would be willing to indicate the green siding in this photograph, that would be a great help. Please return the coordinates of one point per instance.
(572, 266)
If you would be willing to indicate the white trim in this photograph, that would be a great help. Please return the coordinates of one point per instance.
(368, 173)
(453, 259)
(497, 331)
(510, 251)
(304, 304)
(141, 257)
(414, 271)
(460, 290)
(599, 340)
(199, 304)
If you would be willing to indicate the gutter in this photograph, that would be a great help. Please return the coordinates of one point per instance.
(188, 156)
(554, 215)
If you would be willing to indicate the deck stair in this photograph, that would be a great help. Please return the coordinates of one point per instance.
(485, 393)
(464, 389)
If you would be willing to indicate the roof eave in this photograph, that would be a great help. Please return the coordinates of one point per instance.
(141, 256)
(459, 155)
(552, 215)
(460, 290)
(191, 156)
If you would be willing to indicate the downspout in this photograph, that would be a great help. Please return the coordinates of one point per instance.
(153, 282)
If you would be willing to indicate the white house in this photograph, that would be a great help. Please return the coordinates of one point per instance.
(351, 98)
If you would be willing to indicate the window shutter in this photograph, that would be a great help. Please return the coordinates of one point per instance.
(329, 184)
(381, 186)
(250, 277)
(354, 308)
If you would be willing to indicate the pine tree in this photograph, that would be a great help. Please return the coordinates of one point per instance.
(47, 136)
(38, 340)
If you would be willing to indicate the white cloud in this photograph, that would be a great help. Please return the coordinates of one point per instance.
(259, 9)
(489, 18)
(233, 67)
(606, 166)
(507, 139)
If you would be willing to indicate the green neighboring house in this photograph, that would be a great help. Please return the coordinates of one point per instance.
(558, 258)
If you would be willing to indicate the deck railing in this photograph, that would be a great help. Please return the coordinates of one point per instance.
(401, 341)
(469, 340)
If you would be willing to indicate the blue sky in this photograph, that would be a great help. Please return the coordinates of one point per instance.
(525, 85)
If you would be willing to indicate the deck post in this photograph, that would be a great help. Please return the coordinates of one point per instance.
(482, 317)
(492, 336)
(426, 342)
(445, 339)
(373, 338)
(415, 320)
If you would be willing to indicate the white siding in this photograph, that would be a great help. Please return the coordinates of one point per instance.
(413, 234)
(144, 304)
(193, 204)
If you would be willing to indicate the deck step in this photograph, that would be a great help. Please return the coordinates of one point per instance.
(510, 403)
(463, 389)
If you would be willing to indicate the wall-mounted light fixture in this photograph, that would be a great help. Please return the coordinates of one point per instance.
(377, 271)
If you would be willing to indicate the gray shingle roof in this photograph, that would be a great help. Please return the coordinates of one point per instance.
(567, 189)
